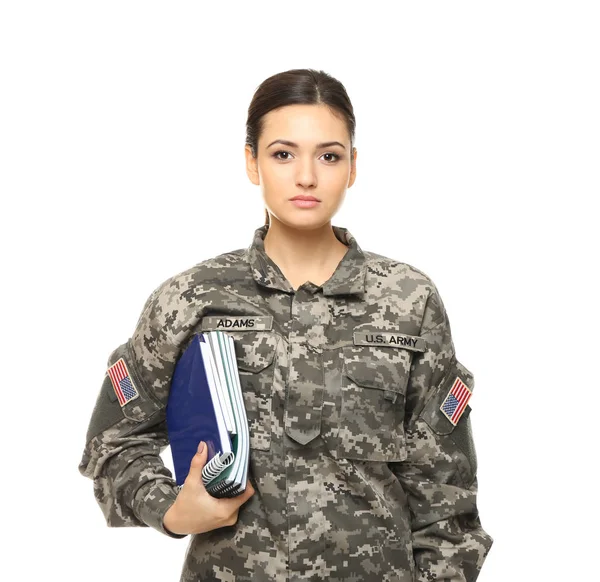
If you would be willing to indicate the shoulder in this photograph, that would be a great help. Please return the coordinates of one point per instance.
(200, 278)
(398, 271)
(214, 268)
(388, 276)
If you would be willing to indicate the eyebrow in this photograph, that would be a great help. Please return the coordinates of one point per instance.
(295, 145)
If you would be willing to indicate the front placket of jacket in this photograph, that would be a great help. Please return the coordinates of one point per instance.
(304, 399)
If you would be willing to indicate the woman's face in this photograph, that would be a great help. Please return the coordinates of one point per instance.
(308, 163)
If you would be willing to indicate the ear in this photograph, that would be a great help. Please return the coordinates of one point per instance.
(251, 166)
(352, 168)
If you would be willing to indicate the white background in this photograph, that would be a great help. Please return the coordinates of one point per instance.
(122, 129)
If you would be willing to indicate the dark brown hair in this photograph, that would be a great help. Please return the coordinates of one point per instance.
(297, 86)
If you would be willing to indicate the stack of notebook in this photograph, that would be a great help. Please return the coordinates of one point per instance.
(206, 404)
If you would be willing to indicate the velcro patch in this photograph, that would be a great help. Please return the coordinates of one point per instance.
(122, 382)
(389, 338)
(237, 323)
(455, 402)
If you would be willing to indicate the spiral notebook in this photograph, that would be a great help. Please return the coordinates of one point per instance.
(206, 404)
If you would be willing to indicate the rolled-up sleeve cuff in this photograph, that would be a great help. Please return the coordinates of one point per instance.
(152, 501)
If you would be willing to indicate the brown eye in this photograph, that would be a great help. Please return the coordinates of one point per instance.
(280, 152)
(332, 154)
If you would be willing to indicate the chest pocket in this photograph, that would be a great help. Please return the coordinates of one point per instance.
(255, 355)
(373, 396)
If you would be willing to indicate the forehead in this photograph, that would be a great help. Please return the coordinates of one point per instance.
(304, 124)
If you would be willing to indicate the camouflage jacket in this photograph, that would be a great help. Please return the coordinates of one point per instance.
(359, 471)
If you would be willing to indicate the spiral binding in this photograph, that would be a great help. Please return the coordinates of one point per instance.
(225, 488)
(214, 467)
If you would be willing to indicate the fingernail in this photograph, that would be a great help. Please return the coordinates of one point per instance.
(201, 446)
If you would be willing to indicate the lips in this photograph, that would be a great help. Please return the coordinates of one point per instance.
(309, 198)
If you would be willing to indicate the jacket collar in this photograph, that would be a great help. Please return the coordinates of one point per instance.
(348, 277)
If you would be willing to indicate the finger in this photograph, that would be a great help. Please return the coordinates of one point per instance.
(248, 492)
(194, 476)
(232, 503)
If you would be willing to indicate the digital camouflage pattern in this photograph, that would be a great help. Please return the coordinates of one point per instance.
(358, 474)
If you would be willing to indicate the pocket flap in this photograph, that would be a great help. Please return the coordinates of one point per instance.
(375, 374)
(254, 350)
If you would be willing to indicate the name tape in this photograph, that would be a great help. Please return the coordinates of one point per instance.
(389, 338)
(237, 323)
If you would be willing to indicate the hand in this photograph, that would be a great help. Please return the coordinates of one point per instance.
(195, 510)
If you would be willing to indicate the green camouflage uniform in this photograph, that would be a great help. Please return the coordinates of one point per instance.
(358, 473)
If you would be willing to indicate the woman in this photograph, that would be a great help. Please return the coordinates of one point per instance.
(362, 461)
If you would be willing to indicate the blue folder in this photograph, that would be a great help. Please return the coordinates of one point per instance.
(196, 412)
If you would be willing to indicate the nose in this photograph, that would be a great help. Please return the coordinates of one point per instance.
(306, 175)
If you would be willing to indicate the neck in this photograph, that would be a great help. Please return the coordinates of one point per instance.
(306, 249)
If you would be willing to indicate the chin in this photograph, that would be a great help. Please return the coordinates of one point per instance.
(303, 219)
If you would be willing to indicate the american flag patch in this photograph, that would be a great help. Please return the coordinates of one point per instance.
(456, 401)
(122, 383)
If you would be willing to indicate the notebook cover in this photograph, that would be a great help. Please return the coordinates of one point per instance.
(190, 412)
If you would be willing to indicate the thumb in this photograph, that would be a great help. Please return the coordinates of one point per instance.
(194, 476)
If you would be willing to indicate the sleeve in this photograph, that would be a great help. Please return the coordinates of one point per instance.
(127, 429)
(439, 473)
